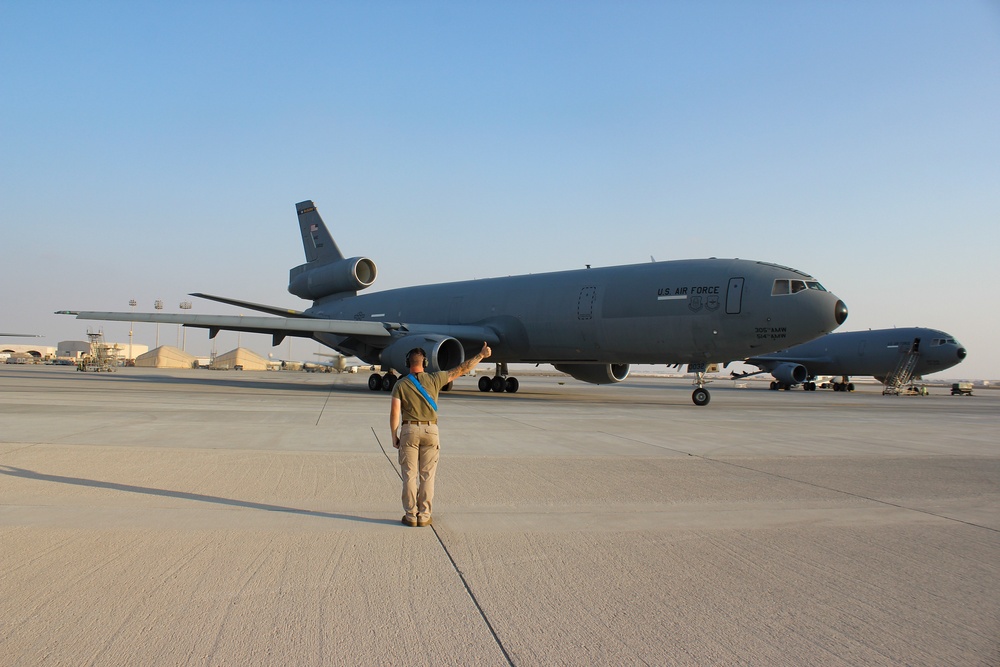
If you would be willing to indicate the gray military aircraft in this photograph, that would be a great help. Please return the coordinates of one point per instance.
(17, 335)
(890, 355)
(589, 323)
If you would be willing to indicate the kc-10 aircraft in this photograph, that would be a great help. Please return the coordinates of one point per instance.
(878, 352)
(590, 323)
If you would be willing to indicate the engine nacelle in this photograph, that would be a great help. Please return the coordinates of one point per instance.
(346, 275)
(790, 373)
(443, 353)
(595, 373)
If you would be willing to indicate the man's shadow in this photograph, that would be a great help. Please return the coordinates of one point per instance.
(11, 471)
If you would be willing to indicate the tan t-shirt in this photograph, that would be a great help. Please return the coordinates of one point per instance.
(414, 406)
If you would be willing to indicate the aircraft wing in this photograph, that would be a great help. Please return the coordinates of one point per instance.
(381, 332)
(253, 324)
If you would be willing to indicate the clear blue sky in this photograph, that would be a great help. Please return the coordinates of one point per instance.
(149, 150)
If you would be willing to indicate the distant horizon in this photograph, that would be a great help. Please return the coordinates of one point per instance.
(646, 370)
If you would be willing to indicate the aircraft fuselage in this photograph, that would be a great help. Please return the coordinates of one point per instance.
(674, 312)
(875, 352)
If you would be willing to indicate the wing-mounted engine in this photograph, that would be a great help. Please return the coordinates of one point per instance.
(345, 276)
(790, 373)
(595, 373)
(443, 352)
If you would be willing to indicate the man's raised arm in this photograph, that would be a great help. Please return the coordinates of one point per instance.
(469, 364)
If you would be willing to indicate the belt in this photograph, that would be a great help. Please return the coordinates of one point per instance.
(410, 421)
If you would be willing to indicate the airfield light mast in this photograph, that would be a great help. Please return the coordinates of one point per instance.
(158, 304)
(133, 303)
(185, 305)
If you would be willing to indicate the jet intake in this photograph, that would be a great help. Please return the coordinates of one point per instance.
(790, 373)
(339, 277)
(443, 353)
(595, 373)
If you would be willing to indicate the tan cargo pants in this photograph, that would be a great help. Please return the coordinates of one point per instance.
(419, 449)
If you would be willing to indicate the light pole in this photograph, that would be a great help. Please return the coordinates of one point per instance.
(185, 305)
(133, 303)
(158, 304)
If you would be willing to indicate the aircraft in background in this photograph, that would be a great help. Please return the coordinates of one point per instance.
(893, 356)
(589, 323)
(17, 335)
(338, 363)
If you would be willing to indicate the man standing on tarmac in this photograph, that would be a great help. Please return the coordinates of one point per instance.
(414, 403)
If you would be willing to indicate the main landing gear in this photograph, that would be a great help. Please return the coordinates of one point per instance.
(386, 382)
(500, 382)
(786, 386)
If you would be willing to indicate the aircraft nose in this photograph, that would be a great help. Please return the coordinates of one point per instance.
(840, 312)
(961, 353)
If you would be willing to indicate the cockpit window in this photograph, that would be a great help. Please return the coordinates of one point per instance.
(784, 286)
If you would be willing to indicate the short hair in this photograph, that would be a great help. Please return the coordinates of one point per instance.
(416, 350)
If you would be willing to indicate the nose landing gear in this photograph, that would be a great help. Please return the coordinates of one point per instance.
(700, 395)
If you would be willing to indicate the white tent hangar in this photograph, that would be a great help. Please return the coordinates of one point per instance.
(241, 358)
(166, 357)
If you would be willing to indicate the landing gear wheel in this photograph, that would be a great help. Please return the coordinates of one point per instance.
(485, 383)
(700, 396)
(498, 384)
(512, 385)
(375, 382)
(388, 382)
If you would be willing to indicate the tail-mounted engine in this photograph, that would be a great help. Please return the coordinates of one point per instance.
(595, 373)
(443, 353)
(790, 373)
(345, 276)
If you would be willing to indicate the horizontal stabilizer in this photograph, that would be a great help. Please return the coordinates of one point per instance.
(250, 305)
(301, 325)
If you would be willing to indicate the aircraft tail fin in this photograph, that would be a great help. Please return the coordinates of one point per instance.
(326, 272)
(319, 246)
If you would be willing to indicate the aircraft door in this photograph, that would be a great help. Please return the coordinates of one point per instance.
(734, 296)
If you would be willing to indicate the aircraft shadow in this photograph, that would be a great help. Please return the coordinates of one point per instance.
(11, 471)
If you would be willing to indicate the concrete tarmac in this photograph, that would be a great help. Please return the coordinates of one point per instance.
(154, 517)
